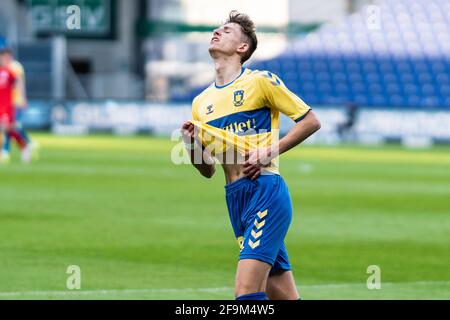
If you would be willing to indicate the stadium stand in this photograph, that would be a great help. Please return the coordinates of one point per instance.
(2, 42)
(403, 60)
(36, 58)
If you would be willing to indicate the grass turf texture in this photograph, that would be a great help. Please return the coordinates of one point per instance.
(142, 228)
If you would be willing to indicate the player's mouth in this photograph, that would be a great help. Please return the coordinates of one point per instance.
(215, 39)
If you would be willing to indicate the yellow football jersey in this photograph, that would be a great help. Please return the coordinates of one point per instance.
(245, 114)
(18, 94)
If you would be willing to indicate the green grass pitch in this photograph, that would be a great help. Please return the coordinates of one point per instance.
(140, 227)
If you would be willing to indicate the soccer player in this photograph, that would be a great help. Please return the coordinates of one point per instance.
(19, 102)
(7, 112)
(248, 103)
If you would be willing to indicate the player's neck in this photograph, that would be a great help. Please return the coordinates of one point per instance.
(226, 71)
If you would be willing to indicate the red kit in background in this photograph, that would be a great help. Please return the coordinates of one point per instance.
(7, 80)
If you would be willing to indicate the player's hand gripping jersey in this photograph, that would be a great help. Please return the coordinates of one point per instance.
(245, 114)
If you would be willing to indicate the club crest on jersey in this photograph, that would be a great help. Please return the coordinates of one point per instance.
(238, 98)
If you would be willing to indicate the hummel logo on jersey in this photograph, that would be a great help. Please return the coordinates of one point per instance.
(274, 79)
(209, 109)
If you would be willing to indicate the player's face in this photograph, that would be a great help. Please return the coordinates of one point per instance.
(227, 39)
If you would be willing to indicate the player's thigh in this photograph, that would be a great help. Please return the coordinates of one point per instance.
(251, 276)
(3, 121)
(6, 121)
(281, 286)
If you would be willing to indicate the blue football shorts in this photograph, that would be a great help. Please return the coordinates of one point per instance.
(260, 212)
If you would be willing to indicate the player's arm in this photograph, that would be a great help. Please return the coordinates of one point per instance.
(200, 159)
(283, 100)
(20, 86)
(299, 133)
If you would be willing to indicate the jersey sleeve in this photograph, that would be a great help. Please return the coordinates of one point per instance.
(194, 110)
(279, 97)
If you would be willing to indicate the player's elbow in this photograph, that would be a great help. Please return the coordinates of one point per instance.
(317, 125)
(314, 122)
(208, 171)
(209, 174)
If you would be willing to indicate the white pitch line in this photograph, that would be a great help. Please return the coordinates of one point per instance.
(341, 285)
(112, 291)
(187, 290)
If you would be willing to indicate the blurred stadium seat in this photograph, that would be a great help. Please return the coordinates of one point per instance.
(36, 58)
(403, 63)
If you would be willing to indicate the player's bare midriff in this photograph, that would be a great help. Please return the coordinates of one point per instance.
(233, 165)
(233, 172)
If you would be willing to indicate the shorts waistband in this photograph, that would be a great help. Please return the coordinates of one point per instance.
(237, 184)
(244, 181)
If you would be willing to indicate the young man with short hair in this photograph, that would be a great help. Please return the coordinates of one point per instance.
(248, 103)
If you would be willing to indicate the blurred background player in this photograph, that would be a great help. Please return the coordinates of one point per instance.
(7, 110)
(346, 128)
(19, 102)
